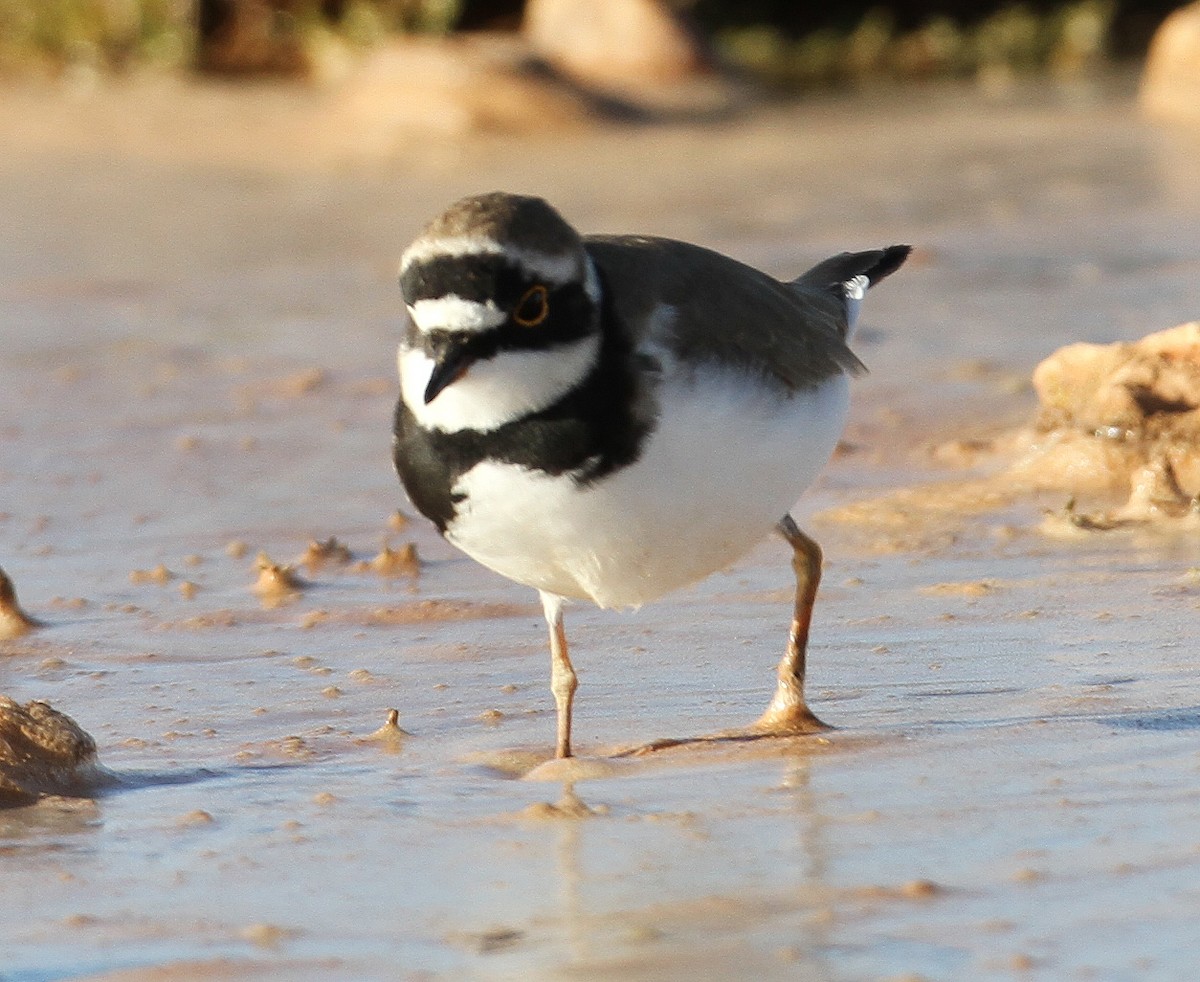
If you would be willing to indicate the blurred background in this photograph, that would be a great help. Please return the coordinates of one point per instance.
(786, 44)
(386, 68)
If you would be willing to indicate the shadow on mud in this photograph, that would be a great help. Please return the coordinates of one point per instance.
(1157, 719)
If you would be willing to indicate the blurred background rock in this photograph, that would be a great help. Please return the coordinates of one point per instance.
(1171, 82)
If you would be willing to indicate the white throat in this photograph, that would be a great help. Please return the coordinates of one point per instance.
(497, 390)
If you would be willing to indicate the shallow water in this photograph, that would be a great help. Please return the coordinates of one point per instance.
(198, 350)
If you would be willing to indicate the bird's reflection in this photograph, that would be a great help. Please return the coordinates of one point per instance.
(588, 934)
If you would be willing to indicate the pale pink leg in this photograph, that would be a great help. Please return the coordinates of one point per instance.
(563, 682)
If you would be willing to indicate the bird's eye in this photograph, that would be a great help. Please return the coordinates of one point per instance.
(533, 307)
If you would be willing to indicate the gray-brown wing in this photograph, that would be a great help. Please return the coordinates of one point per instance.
(724, 311)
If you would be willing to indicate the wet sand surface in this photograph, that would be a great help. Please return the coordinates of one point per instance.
(198, 368)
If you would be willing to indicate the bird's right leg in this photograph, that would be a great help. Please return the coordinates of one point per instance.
(563, 682)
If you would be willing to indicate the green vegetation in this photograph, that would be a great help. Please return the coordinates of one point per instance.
(53, 36)
(108, 34)
(1014, 39)
(369, 20)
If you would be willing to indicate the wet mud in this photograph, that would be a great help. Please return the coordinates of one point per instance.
(198, 368)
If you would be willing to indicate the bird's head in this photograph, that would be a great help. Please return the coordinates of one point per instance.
(503, 309)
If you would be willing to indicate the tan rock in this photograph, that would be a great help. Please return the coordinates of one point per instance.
(277, 583)
(1072, 461)
(1154, 491)
(397, 562)
(1171, 80)
(14, 622)
(253, 37)
(43, 752)
(1073, 386)
(1119, 419)
(607, 41)
(1149, 389)
(450, 86)
(1117, 435)
(319, 554)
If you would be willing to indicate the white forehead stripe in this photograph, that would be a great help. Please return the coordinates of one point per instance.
(556, 268)
(453, 313)
(467, 245)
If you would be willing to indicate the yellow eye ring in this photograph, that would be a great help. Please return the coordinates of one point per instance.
(533, 307)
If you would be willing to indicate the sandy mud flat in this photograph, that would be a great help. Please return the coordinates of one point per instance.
(196, 383)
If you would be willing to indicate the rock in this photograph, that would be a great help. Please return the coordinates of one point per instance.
(1119, 419)
(14, 622)
(1072, 461)
(1154, 491)
(277, 583)
(391, 736)
(43, 752)
(606, 41)
(637, 52)
(1146, 390)
(451, 86)
(1117, 435)
(250, 37)
(397, 562)
(1171, 81)
(1074, 388)
(319, 554)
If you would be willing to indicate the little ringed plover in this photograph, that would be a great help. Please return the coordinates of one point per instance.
(609, 418)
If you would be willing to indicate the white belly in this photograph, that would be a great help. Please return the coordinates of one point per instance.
(728, 459)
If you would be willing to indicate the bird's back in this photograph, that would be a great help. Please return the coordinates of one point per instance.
(705, 307)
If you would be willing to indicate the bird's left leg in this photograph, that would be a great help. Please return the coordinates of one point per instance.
(563, 682)
(788, 712)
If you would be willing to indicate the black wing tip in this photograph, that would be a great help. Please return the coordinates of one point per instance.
(853, 366)
(836, 271)
(890, 260)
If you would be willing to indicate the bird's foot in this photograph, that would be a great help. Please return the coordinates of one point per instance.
(773, 724)
(789, 719)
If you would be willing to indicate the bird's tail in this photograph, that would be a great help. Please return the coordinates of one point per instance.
(874, 264)
(849, 275)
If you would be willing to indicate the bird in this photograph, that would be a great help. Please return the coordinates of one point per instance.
(608, 418)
